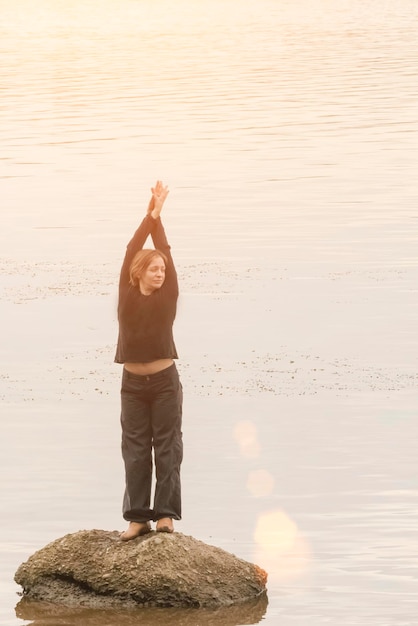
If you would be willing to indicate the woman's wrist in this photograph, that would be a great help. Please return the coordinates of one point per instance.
(155, 214)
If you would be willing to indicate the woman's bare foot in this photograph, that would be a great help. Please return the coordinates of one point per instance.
(135, 529)
(165, 525)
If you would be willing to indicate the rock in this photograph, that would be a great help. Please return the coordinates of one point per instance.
(94, 568)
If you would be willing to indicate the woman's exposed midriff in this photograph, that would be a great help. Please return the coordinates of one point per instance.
(145, 369)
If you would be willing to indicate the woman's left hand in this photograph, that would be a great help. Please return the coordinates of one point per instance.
(159, 194)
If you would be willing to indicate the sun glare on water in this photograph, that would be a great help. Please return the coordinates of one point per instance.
(280, 547)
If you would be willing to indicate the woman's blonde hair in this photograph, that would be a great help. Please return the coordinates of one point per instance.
(140, 262)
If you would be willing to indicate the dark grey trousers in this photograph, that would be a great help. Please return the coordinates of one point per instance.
(151, 422)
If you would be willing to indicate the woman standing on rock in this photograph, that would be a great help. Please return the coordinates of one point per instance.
(151, 391)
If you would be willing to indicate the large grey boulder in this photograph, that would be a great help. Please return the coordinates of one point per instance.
(94, 568)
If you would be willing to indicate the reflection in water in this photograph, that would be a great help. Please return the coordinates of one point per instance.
(281, 549)
(46, 614)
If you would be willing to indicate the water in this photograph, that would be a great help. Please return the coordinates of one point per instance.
(287, 132)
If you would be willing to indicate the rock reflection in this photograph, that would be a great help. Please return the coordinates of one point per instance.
(46, 614)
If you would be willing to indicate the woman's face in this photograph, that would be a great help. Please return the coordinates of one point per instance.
(153, 276)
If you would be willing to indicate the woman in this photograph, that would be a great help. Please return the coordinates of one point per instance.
(151, 391)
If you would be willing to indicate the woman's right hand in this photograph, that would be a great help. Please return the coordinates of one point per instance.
(159, 194)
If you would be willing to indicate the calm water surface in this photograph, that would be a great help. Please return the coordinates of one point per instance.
(287, 132)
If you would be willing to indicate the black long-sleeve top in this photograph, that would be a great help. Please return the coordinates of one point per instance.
(146, 322)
